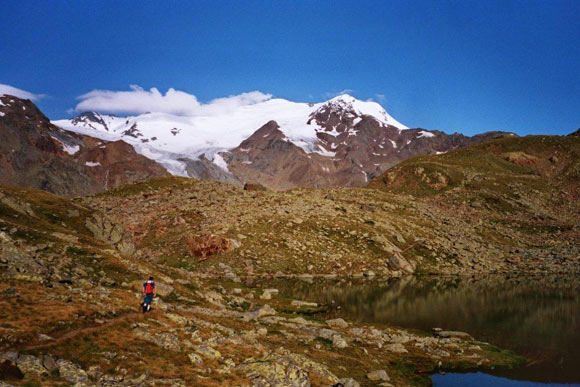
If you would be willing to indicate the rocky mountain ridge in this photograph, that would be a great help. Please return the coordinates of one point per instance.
(340, 142)
(35, 153)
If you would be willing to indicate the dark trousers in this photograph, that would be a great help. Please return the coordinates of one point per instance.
(148, 299)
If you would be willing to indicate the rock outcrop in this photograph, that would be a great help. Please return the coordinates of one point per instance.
(35, 153)
(351, 149)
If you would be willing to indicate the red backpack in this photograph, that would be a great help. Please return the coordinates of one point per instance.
(149, 286)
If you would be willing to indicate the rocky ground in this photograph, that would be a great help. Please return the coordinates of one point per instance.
(195, 225)
(68, 312)
(71, 272)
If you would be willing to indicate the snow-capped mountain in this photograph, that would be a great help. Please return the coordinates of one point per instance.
(35, 153)
(343, 141)
(162, 136)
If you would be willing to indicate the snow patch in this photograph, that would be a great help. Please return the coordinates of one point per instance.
(394, 144)
(92, 164)
(220, 162)
(70, 149)
(425, 134)
(150, 154)
(321, 151)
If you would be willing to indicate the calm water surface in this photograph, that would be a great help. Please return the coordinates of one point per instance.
(537, 317)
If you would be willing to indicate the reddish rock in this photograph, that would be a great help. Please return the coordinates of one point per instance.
(35, 153)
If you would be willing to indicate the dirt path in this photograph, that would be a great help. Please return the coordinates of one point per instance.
(75, 332)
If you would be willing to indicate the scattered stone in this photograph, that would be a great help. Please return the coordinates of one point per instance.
(347, 382)
(456, 334)
(43, 337)
(72, 372)
(304, 303)
(286, 369)
(11, 356)
(337, 323)
(177, 318)
(339, 342)
(265, 310)
(209, 352)
(31, 364)
(379, 375)
(162, 339)
(195, 358)
(95, 372)
(49, 362)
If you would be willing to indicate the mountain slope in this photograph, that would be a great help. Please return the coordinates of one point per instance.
(545, 163)
(341, 142)
(520, 195)
(70, 282)
(35, 153)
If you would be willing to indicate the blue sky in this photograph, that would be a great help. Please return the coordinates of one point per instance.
(467, 66)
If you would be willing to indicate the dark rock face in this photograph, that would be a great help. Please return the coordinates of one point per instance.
(350, 150)
(34, 153)
(90, 118)
(254, 187)
(267, 157)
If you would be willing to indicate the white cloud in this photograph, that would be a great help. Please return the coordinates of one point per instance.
(11, 90)
(138, 101)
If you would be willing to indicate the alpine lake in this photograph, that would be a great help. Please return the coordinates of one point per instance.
(537, 317)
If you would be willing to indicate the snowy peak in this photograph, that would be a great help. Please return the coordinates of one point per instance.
(91, 119)
(345, 108)
(330, 135)
(98, 121)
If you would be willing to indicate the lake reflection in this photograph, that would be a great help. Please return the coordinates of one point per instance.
(538, 317)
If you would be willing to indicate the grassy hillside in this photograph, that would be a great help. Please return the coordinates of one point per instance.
(541, 163)
(70, 279)
(71, 269)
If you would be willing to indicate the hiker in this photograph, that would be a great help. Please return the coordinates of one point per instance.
(149, 291)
